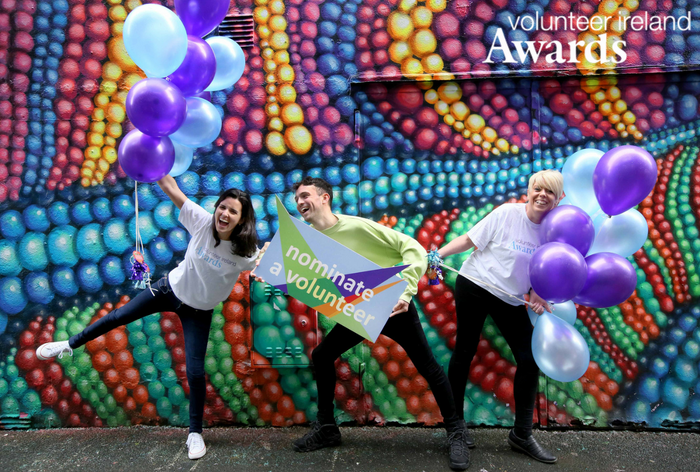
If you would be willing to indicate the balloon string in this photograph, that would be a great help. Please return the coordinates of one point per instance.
(145, 280)
(474, 279)
(137, 232)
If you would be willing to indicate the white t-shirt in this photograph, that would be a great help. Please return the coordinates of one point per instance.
(505, 241)
(207, 274)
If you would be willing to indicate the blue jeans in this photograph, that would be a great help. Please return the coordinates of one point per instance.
(195, 328)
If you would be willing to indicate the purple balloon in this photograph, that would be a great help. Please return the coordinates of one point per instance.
(611, 280)
(146, 158)
(557, 272)
(197, 70)
(570, 225)
(156, 107)
(201, 16)
(623, 178)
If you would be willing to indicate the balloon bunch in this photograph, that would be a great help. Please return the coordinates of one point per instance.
(585, 242)
(167, 108)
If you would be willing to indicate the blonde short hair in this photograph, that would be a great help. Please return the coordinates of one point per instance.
(548, 179)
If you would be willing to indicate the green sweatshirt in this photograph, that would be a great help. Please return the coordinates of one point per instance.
(383, 246)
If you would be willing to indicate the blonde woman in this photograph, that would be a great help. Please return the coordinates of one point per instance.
(503, 243)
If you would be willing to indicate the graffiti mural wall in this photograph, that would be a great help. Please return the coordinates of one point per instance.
(416, 115)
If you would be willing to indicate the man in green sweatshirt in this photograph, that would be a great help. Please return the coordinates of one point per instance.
(386, 248)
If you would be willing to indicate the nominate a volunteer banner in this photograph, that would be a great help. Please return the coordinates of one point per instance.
(329, 277)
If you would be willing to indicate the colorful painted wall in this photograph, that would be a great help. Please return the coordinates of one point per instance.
(390, 101)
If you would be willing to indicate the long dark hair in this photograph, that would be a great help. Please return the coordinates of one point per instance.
(244, 238)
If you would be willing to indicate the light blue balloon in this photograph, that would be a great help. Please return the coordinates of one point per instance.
(155, 39)
(578, 179)
(565, 201)
(183, 159)
(230, 62)
(202, 124)
(592, 210)
(533, 316)
(565, 311)
(622, 234)
(598, 219)
(559, 350)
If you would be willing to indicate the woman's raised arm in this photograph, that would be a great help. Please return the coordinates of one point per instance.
(169, 186)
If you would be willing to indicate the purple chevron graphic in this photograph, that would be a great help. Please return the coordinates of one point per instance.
(370, 278)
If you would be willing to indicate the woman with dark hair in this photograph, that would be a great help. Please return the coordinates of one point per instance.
(222, 246)
(244, 233)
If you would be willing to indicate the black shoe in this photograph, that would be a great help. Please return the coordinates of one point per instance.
(320, 436)
(467, 434)
(459, 449)
(530, 447)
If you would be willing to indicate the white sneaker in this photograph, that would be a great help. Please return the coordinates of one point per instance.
(195, 446)
(50, 350)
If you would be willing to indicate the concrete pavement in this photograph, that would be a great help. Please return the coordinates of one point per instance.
(151, 449)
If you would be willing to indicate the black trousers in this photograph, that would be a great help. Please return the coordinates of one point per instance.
(406, 330)
(474, 304)
(195, 328)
